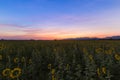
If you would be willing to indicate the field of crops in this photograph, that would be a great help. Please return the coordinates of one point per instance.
(60, 60)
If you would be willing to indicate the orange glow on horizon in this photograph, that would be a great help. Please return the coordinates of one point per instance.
(51, 34)
(64, 36)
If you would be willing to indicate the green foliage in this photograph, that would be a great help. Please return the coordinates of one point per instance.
(60, 60)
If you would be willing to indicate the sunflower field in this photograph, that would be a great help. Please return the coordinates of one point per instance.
(60, 60)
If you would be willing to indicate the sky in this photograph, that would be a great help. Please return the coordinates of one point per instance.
(58, 19)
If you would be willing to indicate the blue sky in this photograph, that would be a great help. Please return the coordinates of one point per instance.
(50, 19)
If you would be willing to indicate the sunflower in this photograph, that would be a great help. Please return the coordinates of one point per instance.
(15, 73)
(49, 66)
(53, 77)
(23, 59)
(109, 51)
(53, 74)
(98, 71)
(6, 72)
(53, 71)
(16, 60)
(99, 50)
(1, 48)
(117, 57)
(104, 70)
(91, 57)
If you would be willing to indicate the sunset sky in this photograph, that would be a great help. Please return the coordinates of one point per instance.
(58, 19)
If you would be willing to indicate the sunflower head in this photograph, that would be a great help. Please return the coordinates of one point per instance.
(104, 70)
(16, 60)
(49, 66)
(23, 59)
(91, 57)
(53, 71)
(117, 57)
(98, 71)
(6, 72)
(15, 73)
(99, 50)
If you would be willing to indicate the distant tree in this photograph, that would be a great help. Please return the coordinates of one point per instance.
(31, 39)
(2, 39)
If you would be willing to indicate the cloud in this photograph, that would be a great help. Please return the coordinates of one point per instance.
(12, 25)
